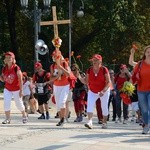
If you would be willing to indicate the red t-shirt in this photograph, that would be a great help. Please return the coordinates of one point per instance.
(96, 82)
(119, 82)
(10, 77)
(63, 81)
(144, 83)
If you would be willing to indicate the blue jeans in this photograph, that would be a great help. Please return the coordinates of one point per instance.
(144, 102)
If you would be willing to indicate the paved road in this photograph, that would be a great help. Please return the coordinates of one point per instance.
(44, 135)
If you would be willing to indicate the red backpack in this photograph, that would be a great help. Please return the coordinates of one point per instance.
(136, 73)
(72, 79)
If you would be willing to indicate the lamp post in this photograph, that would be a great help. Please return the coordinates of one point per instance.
(35, 15)
(80, 13)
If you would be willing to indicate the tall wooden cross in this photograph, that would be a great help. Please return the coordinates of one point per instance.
(55, 22)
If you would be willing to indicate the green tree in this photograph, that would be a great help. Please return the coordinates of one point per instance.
(109, 27)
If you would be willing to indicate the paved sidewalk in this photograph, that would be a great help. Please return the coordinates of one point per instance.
(44, 135)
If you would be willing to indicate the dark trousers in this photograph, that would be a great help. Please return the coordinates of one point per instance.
(112, 100)
(118, 107)
(99, 109)
(78, 106)
(79, 102)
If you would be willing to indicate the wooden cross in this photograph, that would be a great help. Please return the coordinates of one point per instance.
(55, 22)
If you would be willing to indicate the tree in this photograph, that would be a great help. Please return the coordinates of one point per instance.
(10, 7)
(109, 27)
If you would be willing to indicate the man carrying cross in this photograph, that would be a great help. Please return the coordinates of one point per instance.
(59, 76)
(60, 70)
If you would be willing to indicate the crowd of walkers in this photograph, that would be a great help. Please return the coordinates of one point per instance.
(98, 86)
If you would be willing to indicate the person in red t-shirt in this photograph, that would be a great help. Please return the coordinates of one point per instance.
(60, 72)
(12, 76)
(121, 77)
(98, 81)
(79, 94)
(42, 89)
(143, 88)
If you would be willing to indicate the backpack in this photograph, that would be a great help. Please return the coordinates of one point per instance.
(136, 74)
(72, 79)
(40, 88)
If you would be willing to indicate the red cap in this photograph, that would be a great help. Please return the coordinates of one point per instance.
(123, 66)
(9, 54)
(96, 56)
(37, 65)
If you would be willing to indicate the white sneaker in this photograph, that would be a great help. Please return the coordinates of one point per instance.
(125, 121)
(88, 125)
(104, 126)
(24, 120)
(118, 120)
(7, 121)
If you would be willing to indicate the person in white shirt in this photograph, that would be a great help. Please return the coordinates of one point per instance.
(26, 91)
(32, 100)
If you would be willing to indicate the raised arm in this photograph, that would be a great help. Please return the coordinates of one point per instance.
(131, 58)
(83, 79)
